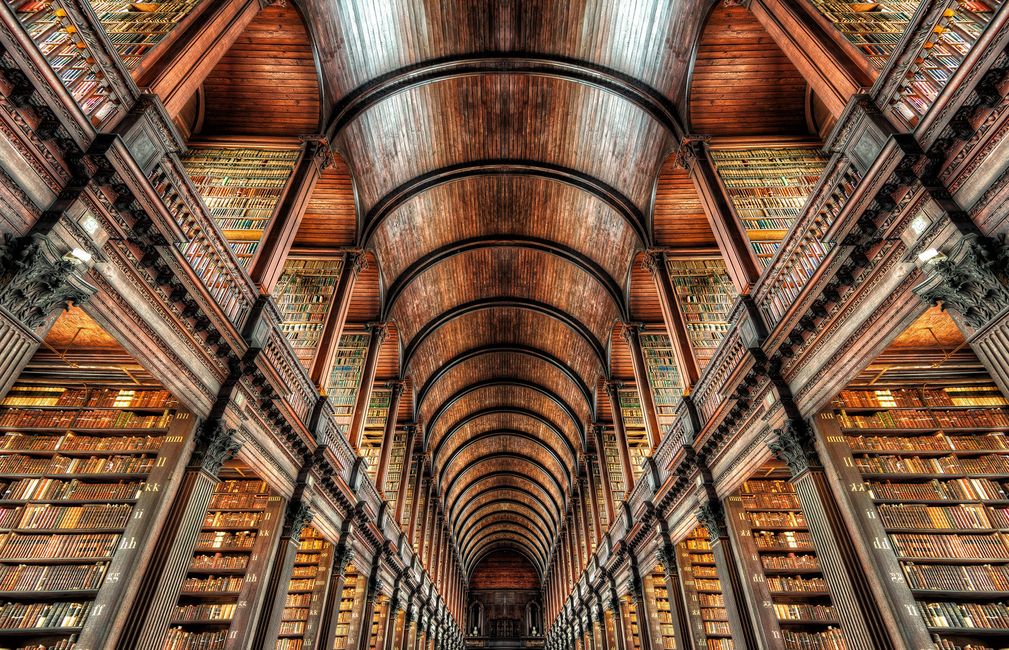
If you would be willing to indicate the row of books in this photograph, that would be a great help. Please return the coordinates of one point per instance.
(40, 577)
(769, 540)
(97, 419)
(223, 612)
(22, 616)
(829, 639)
(962, 546)
(989, 616)
(232, 519)
(785, 584)
(931, 419)
(933, 397)
(942, 517)
(59, 396)
(959, 489)
(986, 464)
(21, 464)
(18, 546)
(50, 489)
(793, 561)
(218, 561)
(180, 639)
(213, 584)
(101, 515)
(948, 577)
(226, 541)
(777, 519)
(73, 442)
(937, 442)
(803, 612)
(772, 501)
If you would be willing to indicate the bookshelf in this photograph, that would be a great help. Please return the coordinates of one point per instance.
(797, 610)
(395, 466)
(377, 627)
(768, 188)
(374, 428)
(305, 592)
(633, 626)
(408, 495)
(611, 458)
(81, 467)
(345, 377)
(663, 632)
(663, 376)
(702, 591)
(704, 293)
(303, 295)
(135, 28)
(604, 519)
(875, 28)
(347, 615)
(218, 593)
(638, 445)
(930, 462)
(240, 186)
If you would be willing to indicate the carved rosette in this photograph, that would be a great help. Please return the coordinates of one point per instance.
(973, 280)
(215, 444)
(35, 280)
(298, 516)
(794, 444)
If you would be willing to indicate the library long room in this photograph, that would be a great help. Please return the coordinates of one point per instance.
(504, 325)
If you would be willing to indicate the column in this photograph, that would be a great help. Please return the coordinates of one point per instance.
(409, 630)
(40, 274)
(599, 627)
(666, 556)
(176, 75)
(583, 510)
(604, 476)
(283, 226)
(411, 438)
(626, 470)
(676, 329)
(833, 68)
(418, 486)
(336, 318)
(853, 601)
(389, 435)
(712, 516)
(343, 555)
(368, 612)
(642, 606)
(378, 333)
(969, 277)
(631, 332)
(616, 615)
(732, 239)
(173, 550)
(391, 620)
(590, 482)
(274, 597)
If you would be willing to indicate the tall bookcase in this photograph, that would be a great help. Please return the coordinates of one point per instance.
(408, 495)
(611, 459)
(374, 428)
(345, 377)
(218, 596)
(395, 466)
(704, 294)
(663, 632)
(663, 376)
(304, 294)
(241, 186)
(135, 28)
(794, 602)
(702, 591)
(638, 445)
(875, 28)
(377, 626)
(347, 616)
(769, 188)
(926, 460)
(306, 592)
(82, 467)
(632, 626)
(600, 497)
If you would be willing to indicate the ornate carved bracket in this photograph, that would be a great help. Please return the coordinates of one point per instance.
(215, 444)
(973, 280)
(712, 516)
(35, 280)
(298, 516)
(794, 444)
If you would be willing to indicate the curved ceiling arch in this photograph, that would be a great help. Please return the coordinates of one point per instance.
(632, 216)
(489, 549)
(514, 496)
(576, 326)
(611, 284)
(507, 436)
(521, 350)
(499, 528)
(511, 383)
(501, 411)
(505, 516)
(531, 470)
(507, 479)
(503, 540)
(625, 86)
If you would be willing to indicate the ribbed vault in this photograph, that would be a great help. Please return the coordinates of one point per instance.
(504, 180)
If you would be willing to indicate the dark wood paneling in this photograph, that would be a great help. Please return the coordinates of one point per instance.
(678, 220)
(267, 82)
(742, 83)
(504, 570)
(330, 219)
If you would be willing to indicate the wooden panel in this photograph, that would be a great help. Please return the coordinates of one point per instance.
(331, 218)
(576, 126)
(504, 272)
(366, 302)
(504, 206)
(504, 570)
(678, 220)
(620, 355)
(644, 303)
(742, 82)
(266, 84)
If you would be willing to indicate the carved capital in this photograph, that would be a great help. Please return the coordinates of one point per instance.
(35, 280)
(215, 444)
(973, 280)
(378, 332)
(690, 149)
(653, 262)
(343, 557)
(298, 516)
(631, 333)
(665, 555)
(712, 516)
(317, 147)
(794, 444)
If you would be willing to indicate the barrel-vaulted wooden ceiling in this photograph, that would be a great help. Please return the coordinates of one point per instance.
(504, 156)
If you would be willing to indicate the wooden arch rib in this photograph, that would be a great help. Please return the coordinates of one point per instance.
(504, 439)
(487, 519)
(510, 481)
(477, 514)
(516, 496)
(518, 328)
(492, 547)
(521, 385)
(621, 204)
(518, 540)
(628, 88)
(585, 263)
(518, 464)
(576, 326)
(499, 418)
(505, 526)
